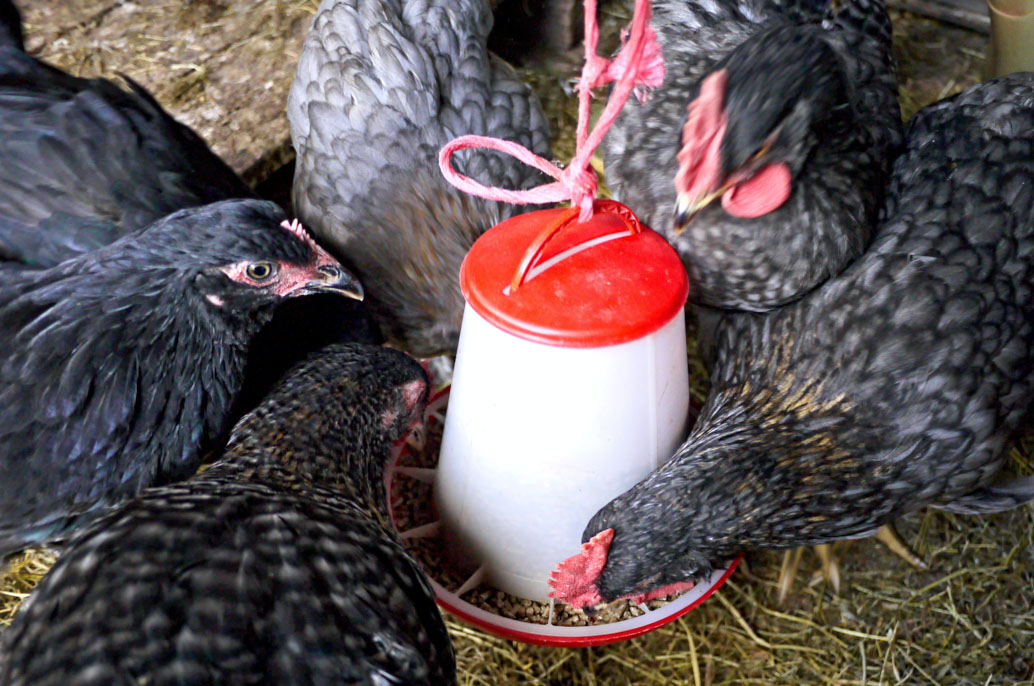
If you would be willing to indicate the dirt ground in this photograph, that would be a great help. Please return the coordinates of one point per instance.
(225, 67)
(219, 66)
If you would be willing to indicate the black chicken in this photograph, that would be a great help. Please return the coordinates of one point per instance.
(788, 116)
(381, 86)
(86, 162)
(10, 25)
(893, 386)
(277, 565)
(120, 365)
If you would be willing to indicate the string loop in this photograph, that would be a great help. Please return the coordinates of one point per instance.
(636, 67)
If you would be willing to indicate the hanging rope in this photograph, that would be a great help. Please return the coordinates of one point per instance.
(638, 65)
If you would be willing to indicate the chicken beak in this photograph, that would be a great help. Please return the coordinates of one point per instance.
(334, 279)
(686, 208)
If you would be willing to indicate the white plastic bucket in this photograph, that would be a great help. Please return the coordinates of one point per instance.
(539, 437)
(540, 434)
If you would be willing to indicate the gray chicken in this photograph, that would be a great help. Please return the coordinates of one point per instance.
(894, 386)
(788, 115)
(277, 565)
(381, 86)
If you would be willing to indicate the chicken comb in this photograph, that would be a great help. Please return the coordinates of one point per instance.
(295, 227)
(699, 162)
(574, 579)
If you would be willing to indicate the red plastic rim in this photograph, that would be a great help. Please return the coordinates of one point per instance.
(579, 641)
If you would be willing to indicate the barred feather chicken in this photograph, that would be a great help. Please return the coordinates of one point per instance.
(894, 386)
(277, 565)
(764, 155)
(381, 86)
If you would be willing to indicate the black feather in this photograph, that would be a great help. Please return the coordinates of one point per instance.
(11, 25)
(86, 162)
(118, 371)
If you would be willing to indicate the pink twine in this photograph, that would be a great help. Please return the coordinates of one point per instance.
(638, 64)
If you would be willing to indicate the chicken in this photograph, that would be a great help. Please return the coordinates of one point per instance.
(10, 25)
(894, 386)
(381, 86)
(86, 162)
(789, 117)
(120, 365)
(277, 565)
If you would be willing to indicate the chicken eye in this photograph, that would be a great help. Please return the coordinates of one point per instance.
(260, 271)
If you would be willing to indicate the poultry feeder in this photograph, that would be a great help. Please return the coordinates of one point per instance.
(570, 385)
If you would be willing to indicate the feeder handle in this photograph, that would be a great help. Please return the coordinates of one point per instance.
(534, 251)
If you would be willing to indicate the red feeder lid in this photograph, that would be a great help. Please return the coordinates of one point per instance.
(545, 277)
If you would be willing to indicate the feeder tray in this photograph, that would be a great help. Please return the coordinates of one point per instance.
(465, 596)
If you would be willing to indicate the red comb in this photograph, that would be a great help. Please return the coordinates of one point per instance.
(413, 393)
(699, 163)
(295, 227)
(574, 580)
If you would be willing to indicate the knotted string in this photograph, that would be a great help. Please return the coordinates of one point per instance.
(637, 66)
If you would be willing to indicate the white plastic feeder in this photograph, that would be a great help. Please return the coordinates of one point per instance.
(570, 386)
(552, 633)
